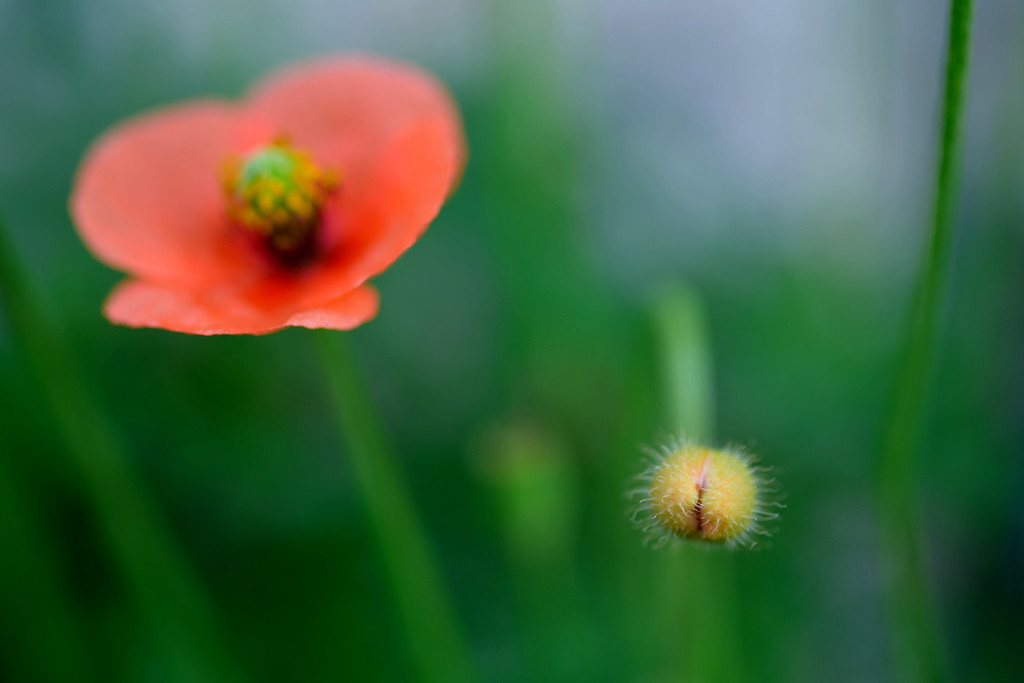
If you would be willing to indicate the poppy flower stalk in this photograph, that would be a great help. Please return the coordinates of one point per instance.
(919, 651)
(695, 493)
(437, 646)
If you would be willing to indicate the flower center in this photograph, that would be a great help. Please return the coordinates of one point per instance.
(277, 193)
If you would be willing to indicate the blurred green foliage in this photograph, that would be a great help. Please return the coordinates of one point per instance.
(513, 326)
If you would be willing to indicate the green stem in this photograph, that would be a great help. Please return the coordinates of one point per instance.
(39, 610)
(437, 646)
(534, 482)
(695, 595)
(684, 362)
(909, 603)
(138, 536)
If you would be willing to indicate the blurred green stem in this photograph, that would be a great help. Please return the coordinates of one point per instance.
(696, 592)
(38, 610)
(138, 536)
(909, 603)
(438, 649)
(683, 351)
(534, 481)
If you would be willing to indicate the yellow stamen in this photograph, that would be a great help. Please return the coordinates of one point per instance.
(277, 192)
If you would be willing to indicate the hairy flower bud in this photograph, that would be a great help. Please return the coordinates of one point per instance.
(700, 493)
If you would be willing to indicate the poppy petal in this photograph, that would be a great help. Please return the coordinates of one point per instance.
(344, 110)
(141, 304)
(147, 198)
(344, 313)
(392, 133)
(406, 187)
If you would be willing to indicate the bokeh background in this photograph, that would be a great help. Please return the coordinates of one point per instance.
(776, 157)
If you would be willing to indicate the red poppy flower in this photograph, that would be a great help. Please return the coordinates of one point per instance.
(246, 217)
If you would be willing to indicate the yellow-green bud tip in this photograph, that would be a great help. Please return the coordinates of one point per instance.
(699, 493)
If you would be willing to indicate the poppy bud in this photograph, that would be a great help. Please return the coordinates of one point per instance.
(700, 493)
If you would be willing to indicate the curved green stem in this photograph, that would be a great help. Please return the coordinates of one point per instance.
(437, 646)
(139, 538)
(909, 603)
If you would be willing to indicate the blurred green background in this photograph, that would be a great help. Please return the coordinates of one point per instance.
(775, 157)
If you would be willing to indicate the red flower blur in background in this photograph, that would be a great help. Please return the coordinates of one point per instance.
(246, 217)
